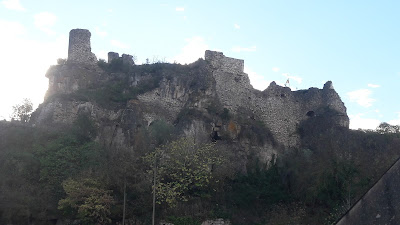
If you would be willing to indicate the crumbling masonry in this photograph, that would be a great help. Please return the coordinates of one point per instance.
(79, 50)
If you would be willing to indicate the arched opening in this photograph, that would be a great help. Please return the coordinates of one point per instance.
(310, 113)
(215, 136)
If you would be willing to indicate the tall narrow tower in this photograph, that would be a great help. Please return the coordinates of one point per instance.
(79, 50)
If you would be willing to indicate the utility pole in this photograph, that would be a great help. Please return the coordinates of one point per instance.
(154, 188)
(123, 213)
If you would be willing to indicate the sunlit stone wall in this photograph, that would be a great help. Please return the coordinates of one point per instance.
(79, 50)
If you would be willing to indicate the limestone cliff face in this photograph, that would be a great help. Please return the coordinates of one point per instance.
(71, 77)
(211, 99)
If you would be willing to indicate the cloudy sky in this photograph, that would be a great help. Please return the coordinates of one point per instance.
(353, 43)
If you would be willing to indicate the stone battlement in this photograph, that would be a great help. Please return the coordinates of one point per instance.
(126, 59)
(79, 50)
(220, 61)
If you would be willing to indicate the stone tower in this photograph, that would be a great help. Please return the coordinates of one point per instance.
(79, 50)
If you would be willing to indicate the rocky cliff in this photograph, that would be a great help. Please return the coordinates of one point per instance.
(209, 100)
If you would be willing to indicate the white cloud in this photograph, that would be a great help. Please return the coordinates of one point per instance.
(244, 49)
(358, 122)
(100, 32)
(395, 121)
(236, 26)
(11, 29)
(361, 97)
(295, 78)
(119, 44)
(192, 51)
(179, 9)
(258, 81)
(102, 54)
(275, 69)
(28, 81)
(13, 5)
(374, 85)
(45, 21)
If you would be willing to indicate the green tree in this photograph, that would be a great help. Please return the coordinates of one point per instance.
(22, 111)
(385, 128)
(183, 169)
(66, 157)
(61, 61)
(161, 131)
(88, 199)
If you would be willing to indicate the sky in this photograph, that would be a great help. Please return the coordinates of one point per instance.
(355, 44)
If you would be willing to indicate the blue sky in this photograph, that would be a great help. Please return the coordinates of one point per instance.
(355, 44)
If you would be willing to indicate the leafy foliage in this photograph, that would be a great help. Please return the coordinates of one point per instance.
(63, 158)
(186, 220)
(259, 188)
(22, 111)
(61, 61)
(49, 172)
(91, 201)
(184, 169)
(385, 128)
(161, 131)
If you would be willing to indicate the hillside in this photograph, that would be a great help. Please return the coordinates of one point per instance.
(222, 149)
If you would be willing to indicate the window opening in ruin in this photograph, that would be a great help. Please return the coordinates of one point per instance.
(310, 113)
(215, 136)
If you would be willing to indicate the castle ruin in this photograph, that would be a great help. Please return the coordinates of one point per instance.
(279, 108)
(126, 59)
(219, 60)
(79, 50)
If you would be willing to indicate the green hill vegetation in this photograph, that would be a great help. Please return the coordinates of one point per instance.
(64, 172)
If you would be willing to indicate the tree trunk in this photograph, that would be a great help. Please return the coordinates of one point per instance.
(123, 213)
(154, 190)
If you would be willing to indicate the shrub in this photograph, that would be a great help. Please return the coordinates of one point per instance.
(186, 220)
(61, 61)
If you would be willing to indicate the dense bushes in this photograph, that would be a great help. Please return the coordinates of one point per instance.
(37, 161)
(313, 184)
(258, 189)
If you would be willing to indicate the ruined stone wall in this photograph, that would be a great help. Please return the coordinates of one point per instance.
(79, 50)
(226, 64)
(112, 56)
(232, 84)
(126, 59)
(281, 109)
